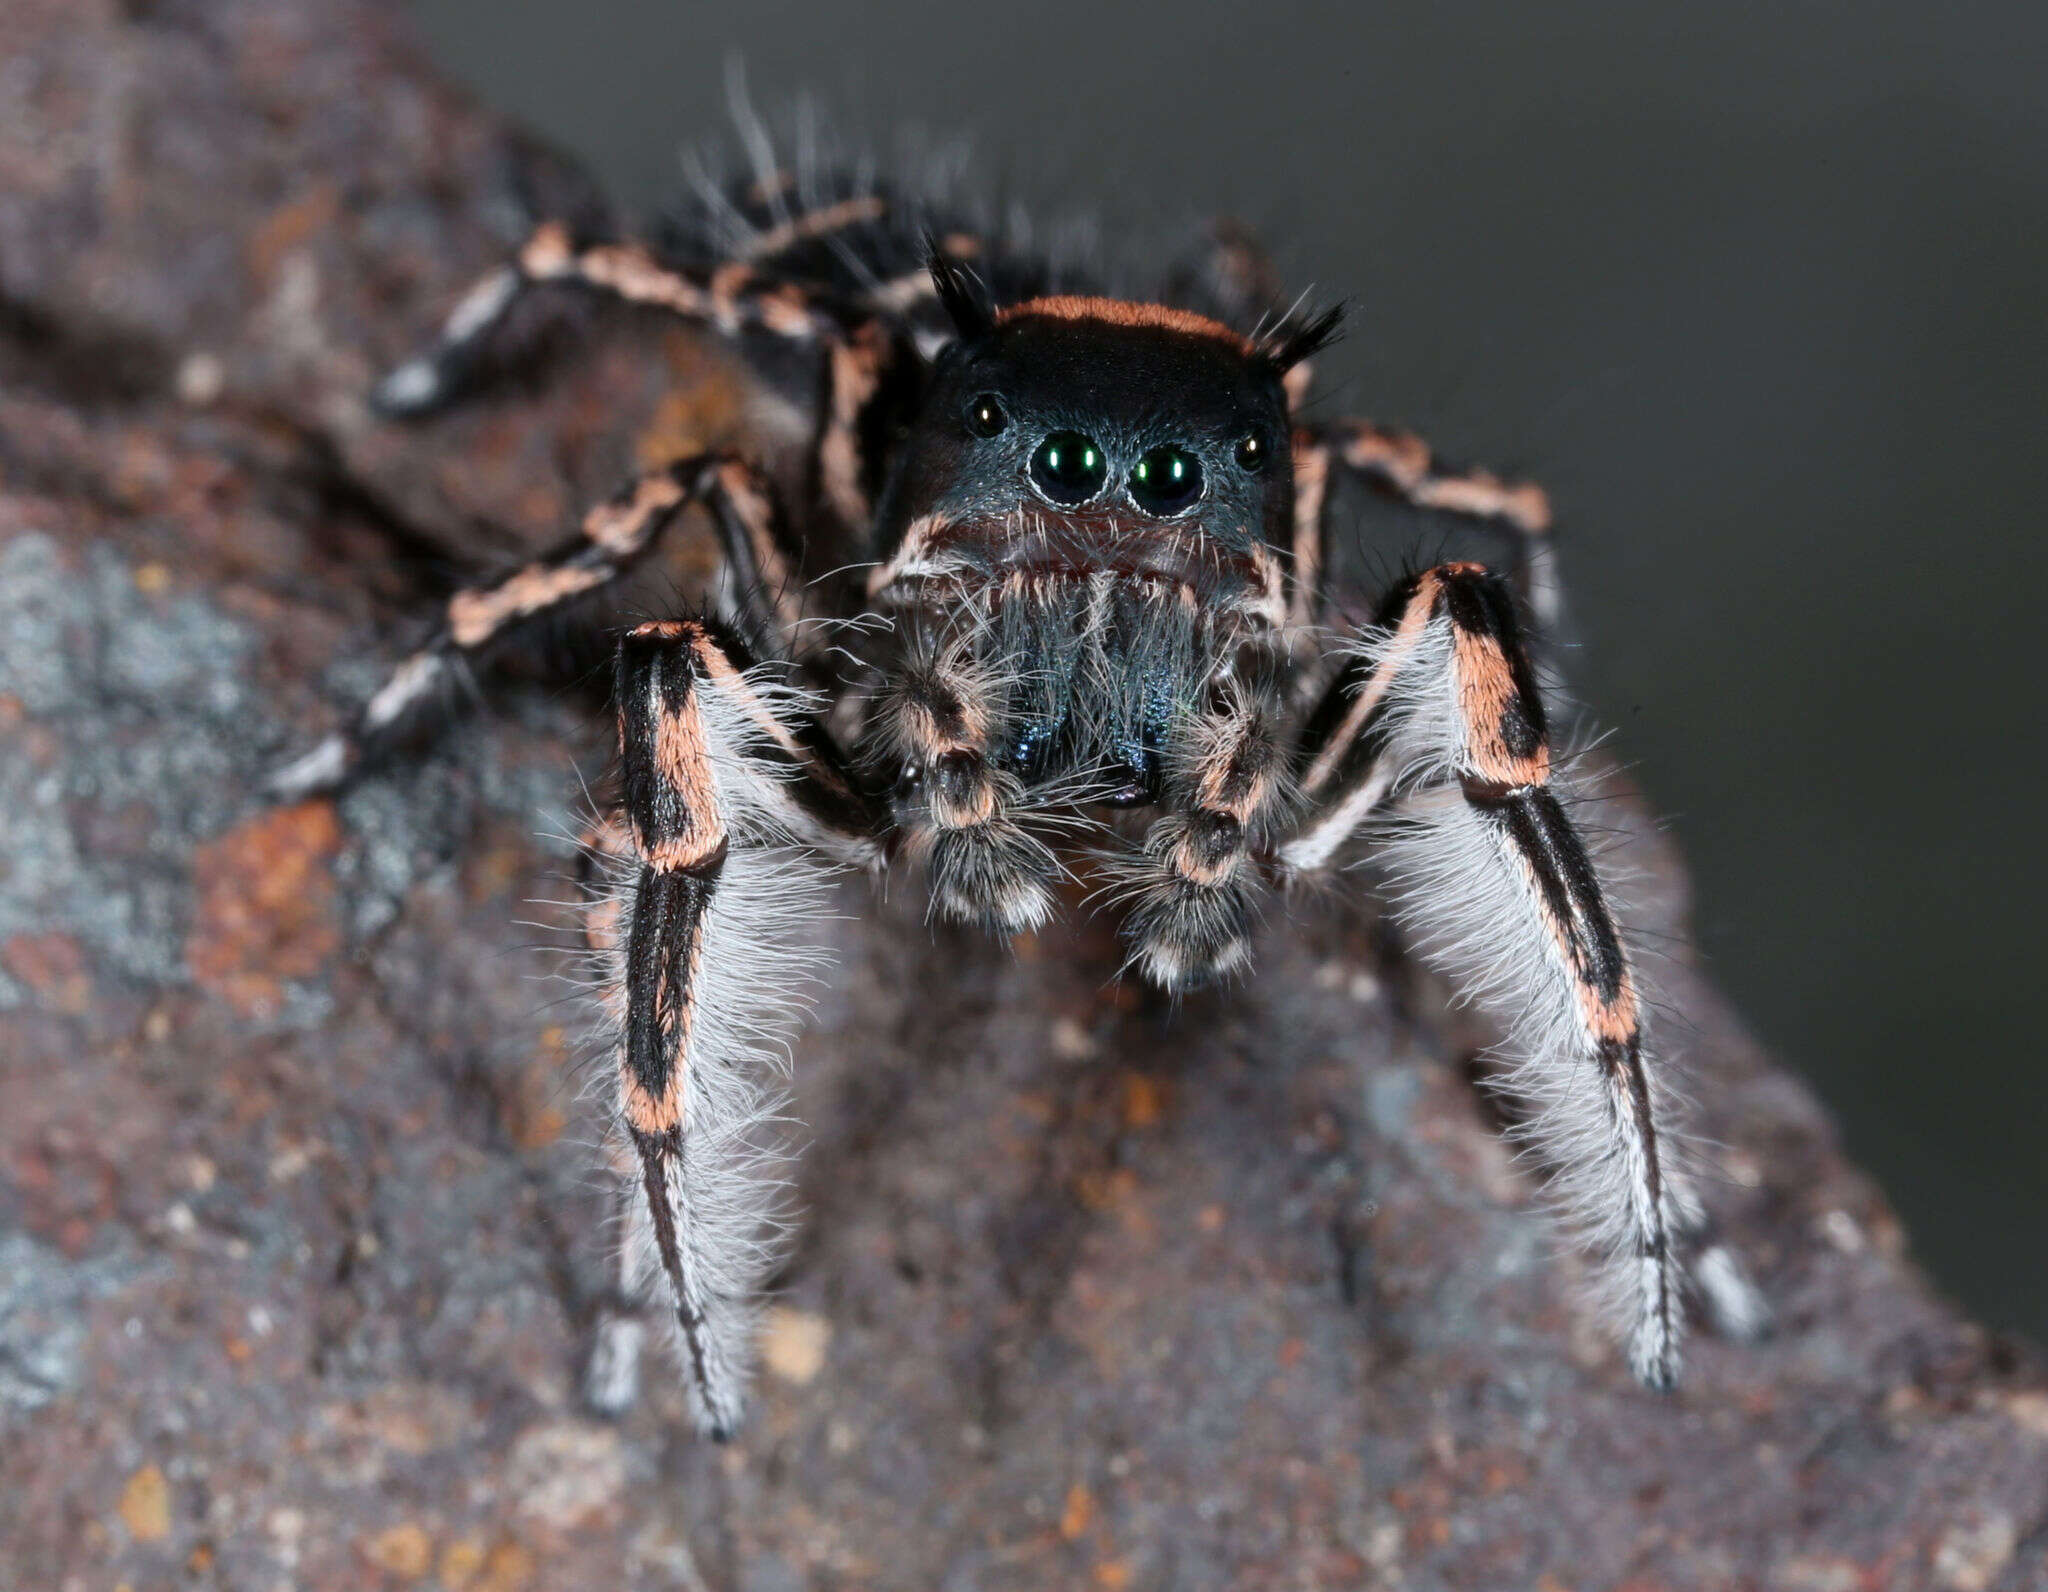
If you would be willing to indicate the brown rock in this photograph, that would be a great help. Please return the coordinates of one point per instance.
(567, 1475)
(54, 967)
(1242, 1295)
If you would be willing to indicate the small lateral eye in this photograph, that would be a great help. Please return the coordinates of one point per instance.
(1166, 480)
(985, 416)
(1252, 453)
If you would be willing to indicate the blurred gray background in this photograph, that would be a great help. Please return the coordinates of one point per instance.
(1756, 290)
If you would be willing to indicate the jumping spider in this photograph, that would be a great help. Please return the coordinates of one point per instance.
(1055, 563)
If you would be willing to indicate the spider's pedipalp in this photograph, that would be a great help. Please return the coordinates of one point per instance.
(1194, 885)
(938, 721)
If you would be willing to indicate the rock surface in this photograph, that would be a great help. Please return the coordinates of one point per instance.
(299, 1237)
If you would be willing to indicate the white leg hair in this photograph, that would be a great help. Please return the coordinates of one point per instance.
(1463, 892)
(1498, 893)
(705, 1199)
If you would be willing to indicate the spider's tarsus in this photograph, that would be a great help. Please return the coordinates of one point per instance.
(412, 389)
(1734, 1304)
(611, 1379)
(319, 772)
(1660, 1375)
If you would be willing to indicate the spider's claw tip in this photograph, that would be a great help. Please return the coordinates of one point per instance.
(1735, 1305)
(611, 1379)
(1656, 1367)
(412, 389)
(317, 773)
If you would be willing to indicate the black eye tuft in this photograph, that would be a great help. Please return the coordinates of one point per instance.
(1252, 453)
(985, 416)
(1166, 480)
(1069, 468)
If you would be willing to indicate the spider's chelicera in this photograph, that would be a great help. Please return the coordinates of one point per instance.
(1076, 549)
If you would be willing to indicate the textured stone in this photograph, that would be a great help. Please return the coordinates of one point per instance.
(297, 1214)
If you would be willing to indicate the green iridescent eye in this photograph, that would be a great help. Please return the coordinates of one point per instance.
(1069, 468)
(1166, 480)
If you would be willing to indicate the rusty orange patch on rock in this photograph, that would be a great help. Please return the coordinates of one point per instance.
(1076, 1513)
(266, 905)
(405, 1551)
(532, 1110)
(1144, 1100)
(146, 1505)
(53, 966)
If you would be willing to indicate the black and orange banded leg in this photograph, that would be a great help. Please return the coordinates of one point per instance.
(613, 538)
(680, 840)
(1401, 463)
(1439, 710)
(734, 297)
(700, 930)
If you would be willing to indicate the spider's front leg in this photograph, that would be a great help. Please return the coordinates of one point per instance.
(1440, 706)
(701, 981)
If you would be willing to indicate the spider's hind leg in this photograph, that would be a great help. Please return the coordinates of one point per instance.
(730, 299)
(1402, 464)
(612, 540)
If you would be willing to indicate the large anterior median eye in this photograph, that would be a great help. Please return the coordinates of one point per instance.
(1166, 480)
(1069, 468)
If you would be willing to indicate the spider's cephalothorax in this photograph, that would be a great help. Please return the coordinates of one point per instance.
(1080, 548)
(1055, 565)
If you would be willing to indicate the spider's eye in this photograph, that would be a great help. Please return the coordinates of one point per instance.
(1069, 468)
(985, 416)
(1252, 453)
(1166, 480)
